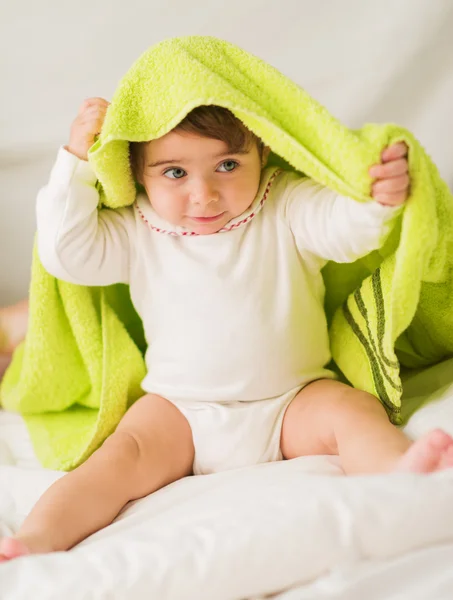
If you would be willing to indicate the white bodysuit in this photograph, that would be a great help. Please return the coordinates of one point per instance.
(234, 321)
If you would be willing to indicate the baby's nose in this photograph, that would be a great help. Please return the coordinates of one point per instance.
(204, 193)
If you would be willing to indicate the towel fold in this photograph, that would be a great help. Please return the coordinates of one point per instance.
(81, 364)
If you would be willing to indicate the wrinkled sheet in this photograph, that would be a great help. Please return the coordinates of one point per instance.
(249, 532)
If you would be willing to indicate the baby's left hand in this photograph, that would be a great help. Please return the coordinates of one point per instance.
(391, 187)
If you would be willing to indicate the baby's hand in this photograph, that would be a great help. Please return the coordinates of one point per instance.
(391, 187)
(86, 126)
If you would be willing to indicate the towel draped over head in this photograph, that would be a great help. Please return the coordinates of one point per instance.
(81, 364)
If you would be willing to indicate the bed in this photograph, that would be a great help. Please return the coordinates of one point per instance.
(293, 530)
(290, 530)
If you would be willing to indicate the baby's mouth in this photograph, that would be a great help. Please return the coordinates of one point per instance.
(207, 219)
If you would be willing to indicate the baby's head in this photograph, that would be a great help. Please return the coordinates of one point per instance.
(204, 172)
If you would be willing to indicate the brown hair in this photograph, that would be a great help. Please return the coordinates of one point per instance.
(208, 121)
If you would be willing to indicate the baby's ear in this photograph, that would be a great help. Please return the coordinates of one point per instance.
(265, 155)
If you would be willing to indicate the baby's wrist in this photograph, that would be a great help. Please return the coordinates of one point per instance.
(76, 153)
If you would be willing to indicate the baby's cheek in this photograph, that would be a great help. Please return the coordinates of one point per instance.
(181, 206)
(172, 206)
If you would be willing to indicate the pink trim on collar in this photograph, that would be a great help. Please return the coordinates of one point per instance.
(227, 228)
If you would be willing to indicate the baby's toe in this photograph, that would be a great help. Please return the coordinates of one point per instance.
(446, 460)
(439, 440)
(12, 548)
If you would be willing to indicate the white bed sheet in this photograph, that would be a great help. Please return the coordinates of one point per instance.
(424, 574)
(298, 526)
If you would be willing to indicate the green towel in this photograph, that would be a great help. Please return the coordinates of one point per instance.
(82, 362)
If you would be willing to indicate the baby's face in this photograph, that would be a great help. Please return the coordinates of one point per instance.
(194, 182)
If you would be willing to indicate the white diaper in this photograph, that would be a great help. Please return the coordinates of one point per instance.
(230, 435)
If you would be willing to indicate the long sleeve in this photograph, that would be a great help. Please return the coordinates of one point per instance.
(331, 226)
(77, 242)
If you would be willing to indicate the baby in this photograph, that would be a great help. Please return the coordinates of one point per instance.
(13, 327)
(223, 256)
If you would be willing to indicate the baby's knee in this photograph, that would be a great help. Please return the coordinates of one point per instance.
(122, 449)
(130, 463)
(353, 402)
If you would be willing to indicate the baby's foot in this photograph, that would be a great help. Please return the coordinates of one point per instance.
(5, 359)
(13, 326)
(432, 452)
(12, 548)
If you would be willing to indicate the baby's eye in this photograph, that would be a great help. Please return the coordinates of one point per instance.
(228, 165)
(177, 173)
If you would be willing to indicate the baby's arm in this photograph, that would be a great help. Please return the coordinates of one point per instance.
(338, 228)
(76, 241)
(334, 227)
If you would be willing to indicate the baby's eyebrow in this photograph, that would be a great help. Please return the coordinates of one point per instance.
(231, 152)
(172, 161)
(167, 161)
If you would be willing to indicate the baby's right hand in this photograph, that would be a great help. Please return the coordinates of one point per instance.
(86, 126)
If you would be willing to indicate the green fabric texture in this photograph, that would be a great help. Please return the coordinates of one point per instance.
(82, 361)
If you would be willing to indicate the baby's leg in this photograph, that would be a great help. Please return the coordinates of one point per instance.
(151, 447)
(328, 417)
(13, 327)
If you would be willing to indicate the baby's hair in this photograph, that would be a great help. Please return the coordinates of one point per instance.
(208, 121)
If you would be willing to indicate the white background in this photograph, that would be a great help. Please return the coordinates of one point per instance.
(386, 60)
